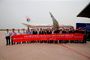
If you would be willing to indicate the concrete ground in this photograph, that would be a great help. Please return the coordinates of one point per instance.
(44, 51)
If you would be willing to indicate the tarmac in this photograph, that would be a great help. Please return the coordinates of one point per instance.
(44, 51)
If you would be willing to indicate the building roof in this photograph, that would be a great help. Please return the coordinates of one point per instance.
(85, 12)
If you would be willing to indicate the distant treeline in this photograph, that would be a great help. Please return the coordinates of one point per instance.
(9, 29)
(2, 29)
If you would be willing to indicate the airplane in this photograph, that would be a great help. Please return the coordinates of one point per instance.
(55, 25)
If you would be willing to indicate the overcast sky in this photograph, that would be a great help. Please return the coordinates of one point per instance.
(14, 12)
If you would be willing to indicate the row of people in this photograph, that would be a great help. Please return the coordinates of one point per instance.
(33, 31)
(48, 31)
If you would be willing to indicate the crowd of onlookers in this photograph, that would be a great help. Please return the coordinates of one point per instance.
(35, 31)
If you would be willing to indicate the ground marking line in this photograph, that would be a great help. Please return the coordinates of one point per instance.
(75, 51)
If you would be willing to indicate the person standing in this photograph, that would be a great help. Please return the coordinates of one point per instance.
(18, 32)
(12, 34)
(7, 34)
(23, 31)
(28, 31)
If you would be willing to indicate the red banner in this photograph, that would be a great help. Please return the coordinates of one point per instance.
(32, 37)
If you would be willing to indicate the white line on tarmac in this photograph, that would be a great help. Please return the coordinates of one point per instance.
(68, 47)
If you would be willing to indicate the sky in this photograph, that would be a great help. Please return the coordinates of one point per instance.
(14, 12)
